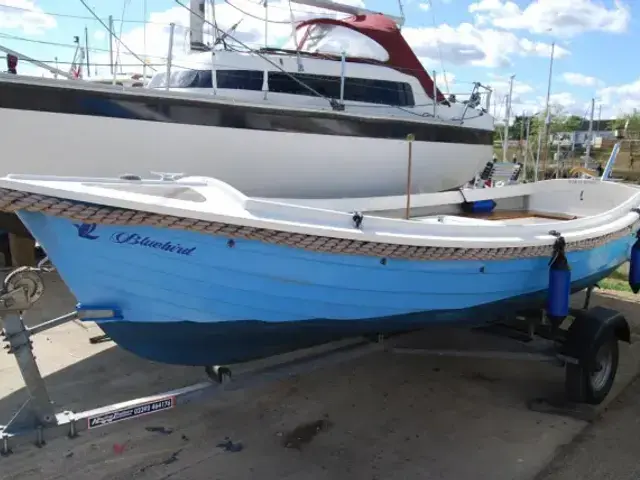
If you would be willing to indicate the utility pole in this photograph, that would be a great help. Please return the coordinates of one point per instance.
(522, 135)
(590, 134)
(505, 144)
(526, 148)
(547, 120)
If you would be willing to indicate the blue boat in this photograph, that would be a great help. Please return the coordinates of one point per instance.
(199, 274)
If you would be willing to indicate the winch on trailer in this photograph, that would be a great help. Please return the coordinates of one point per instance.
(588, 349)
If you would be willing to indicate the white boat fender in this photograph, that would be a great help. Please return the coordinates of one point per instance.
(559, 288)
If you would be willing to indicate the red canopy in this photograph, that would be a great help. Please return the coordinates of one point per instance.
(384, 31)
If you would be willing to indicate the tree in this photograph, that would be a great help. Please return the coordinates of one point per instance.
(562, 121)
(634, 121)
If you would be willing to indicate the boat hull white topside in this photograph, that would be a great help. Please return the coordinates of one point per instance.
(256, 162)
(600, 208)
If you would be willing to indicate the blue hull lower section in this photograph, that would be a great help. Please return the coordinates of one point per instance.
(196, 299)
(197, 343)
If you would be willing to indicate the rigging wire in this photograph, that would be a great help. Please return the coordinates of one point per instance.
(111, 32)
(255, 17)
(68, 15)
(331, 101)
(64, 45)
(60, 62)
(125, 4)
(294, 37)
(139, 21)
(163, 57)
(214, 20)
(401, 7)
(433, 20)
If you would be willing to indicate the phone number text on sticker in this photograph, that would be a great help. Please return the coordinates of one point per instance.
(130, 412)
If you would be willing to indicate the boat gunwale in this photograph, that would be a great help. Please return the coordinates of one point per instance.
(86, 211)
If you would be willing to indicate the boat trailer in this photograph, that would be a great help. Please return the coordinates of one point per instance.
(588, 350)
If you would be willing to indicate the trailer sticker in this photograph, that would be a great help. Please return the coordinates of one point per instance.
(127, 413)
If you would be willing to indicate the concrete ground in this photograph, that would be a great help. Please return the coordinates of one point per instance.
(381, 416)
(606, 450)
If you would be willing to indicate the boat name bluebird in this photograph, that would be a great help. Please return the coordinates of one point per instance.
(135, 239)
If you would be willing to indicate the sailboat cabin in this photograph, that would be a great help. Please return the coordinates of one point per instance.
(360, 60)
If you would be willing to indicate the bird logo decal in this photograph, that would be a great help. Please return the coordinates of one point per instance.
(85, 230)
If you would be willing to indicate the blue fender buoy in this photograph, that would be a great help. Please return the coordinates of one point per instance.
(559, 288)
(479, 206)
(634, 265)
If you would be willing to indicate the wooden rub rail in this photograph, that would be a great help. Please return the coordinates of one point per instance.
(12, 200)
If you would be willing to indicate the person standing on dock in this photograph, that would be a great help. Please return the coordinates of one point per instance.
(12, 64)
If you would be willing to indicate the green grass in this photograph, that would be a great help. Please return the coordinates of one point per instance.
(617, 281)
(614, 284)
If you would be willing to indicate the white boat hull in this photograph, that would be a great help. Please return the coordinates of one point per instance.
(256, 162)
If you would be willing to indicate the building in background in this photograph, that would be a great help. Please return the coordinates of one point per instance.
(603, 130)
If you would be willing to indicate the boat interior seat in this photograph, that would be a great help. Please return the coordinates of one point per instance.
(457, 220)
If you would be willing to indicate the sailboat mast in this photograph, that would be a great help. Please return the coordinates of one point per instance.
(196, 24)
(86, 45)
(590, 134)
(144, 42)
(266, 23)
(112, 69)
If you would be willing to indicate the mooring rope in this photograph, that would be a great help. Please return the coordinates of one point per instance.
(13, 200)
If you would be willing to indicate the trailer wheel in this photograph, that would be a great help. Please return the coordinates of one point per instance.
(590, 380)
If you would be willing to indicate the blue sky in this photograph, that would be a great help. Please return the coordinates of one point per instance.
(481, 40)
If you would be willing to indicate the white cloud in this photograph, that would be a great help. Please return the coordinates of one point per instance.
(469, 45)
(622, 98)
(519, 104)
(424, 6)
(460, 45)
(562, 18)
(566, 100)
(500, 85)
(24, 15)
(99, 35)
(580, 80)
(250, 31)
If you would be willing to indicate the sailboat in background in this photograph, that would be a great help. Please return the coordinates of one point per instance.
(297, 122)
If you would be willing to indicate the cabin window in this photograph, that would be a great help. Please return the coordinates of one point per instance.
(366, 90)
(183, 79)
(240, 79)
